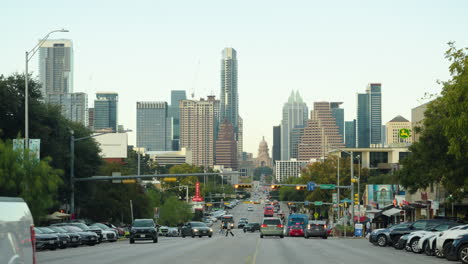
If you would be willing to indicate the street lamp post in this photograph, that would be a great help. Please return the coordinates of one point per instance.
(359, 187)
(28, 56)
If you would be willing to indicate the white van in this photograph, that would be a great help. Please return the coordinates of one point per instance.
(17, 238)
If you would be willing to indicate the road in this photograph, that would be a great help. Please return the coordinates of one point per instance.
(242, 248)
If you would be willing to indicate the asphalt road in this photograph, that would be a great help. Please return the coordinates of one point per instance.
(242, 248)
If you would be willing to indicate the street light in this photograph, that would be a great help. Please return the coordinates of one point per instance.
(29, 55)
(352, 178)
(72, 163)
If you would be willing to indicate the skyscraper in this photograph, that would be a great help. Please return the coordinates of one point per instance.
(56, 68)
(226, 146)
(91, 118)
(320, 135)
(176, 97)
(105, 111)
(154, 126)
(229, 104)
(338, 114)
(295, 113)
(276, 143)
(240, 138)
(369, 116)
(78, 108)
(197, 126)
(350, 134)
(295, 138)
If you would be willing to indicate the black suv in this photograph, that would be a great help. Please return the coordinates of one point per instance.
(143, 229)
(397, 233)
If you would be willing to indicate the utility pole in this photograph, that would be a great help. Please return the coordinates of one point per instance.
(338, 184)
(138, 163)
(352, 187)
(72, 173)
(131, 209)
(359, 188)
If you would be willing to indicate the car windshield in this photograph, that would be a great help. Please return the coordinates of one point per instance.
(143, 223)
(102, 226)
(198, 224)
(81, 226)
(47, 230)
(38, 231)
(74, 228)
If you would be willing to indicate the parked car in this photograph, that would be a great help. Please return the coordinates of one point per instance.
(17, 235)
(296, 231)
(315, 228)
(430, 239)
(459, 249)
(412, 243)
(381, 237)
(83, 227)
(46, 241)
(86, 237)
(107, 234)
(143, 229)
(64, 239)
(397, 233)
(196, 229)
(251, 227)
(163, 230)
(445, 239)
(271, 226)
(107, 228)
(75, 239)
(120, 230)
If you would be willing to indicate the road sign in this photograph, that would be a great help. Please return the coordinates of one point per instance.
(129, 181)
(327, 186)
(404, 133)
(226, 203)
(335, 198)
(311, 186)
(318, 203)
(115, 174)
(170, 179)
(306, 203)
(209, 204)
(346, 200)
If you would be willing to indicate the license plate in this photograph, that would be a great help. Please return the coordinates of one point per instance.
(93, 238)
(51, 242)
(64, 242)
(142, 235)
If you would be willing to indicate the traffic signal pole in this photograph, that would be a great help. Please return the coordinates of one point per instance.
(352, 186)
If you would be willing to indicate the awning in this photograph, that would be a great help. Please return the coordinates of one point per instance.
(391, 212)
(57, 216)
(373, 211)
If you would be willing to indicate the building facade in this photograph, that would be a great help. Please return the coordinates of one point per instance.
(276, 143)
(417, 118)
(289, 168)
(56, 67)
(350, 134)
(295, 139)
(164, 158)
(229, 103)
(105, 111)
(369, 116)
(176, 97)
(78, 108)
(338, 114)
(197, 126)
(295, 113)
(226, 146)
(91, 118)
(154, 126)
(393, 131)
(320, 135)
(263, 158)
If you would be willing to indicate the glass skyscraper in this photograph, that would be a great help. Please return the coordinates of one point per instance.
(350, 134)
(174, 112)
(154, 126)
(105, 111)
(295, 113)
(369, 116)
(276, 143)
(338, 114)
(229, 103)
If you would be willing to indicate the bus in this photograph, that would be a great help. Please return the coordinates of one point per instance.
(297, 219)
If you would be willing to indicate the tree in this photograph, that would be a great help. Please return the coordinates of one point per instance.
(441, 154)
(262, 170)
(174, 212)
(35, 181)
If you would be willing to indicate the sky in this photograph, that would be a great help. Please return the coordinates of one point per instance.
(327, 50)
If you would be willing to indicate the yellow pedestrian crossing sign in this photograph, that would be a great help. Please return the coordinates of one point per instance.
(404, 133)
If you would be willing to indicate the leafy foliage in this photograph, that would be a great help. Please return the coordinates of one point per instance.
(262, 170)
(174, 212)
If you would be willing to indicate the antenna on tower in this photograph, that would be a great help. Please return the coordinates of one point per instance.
(195, 78)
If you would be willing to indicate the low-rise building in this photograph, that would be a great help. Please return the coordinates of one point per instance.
(289, 168)
(164, 158)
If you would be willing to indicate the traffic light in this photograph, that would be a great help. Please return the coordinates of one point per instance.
(275, 186)
(300, 188)
(356, 199)
(354, 180)
(242, 186)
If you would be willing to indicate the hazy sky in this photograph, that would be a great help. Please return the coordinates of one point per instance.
(328, 50)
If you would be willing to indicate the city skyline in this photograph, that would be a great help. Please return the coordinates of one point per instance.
(279, 59)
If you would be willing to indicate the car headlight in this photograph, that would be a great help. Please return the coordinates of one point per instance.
(195, 230)
(211, 230)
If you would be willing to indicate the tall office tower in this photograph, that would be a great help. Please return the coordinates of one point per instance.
(197, 126)
(154, 126)
(417, 118)
(91, 118)
(393, 131)
(229, 93)
(105, 111)
(295, 113)
(338, 114)
(240, 138)
(226, 146)
(78, 108)
(350, 134)
(369, 116)
(56, 68)
(176, 97)
(295, 138)
(320, 135)
(384, 135)
(276, 144)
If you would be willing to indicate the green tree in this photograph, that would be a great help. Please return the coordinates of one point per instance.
(262, 170)
(35, 181)
(441, 154)
(174, 212)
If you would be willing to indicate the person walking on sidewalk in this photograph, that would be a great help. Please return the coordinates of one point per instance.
(368, 227)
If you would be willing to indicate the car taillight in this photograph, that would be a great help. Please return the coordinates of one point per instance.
(263, 225)
(325, 226)
(33, 243)
(297, 224)
(280, 226)
(308, 226)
